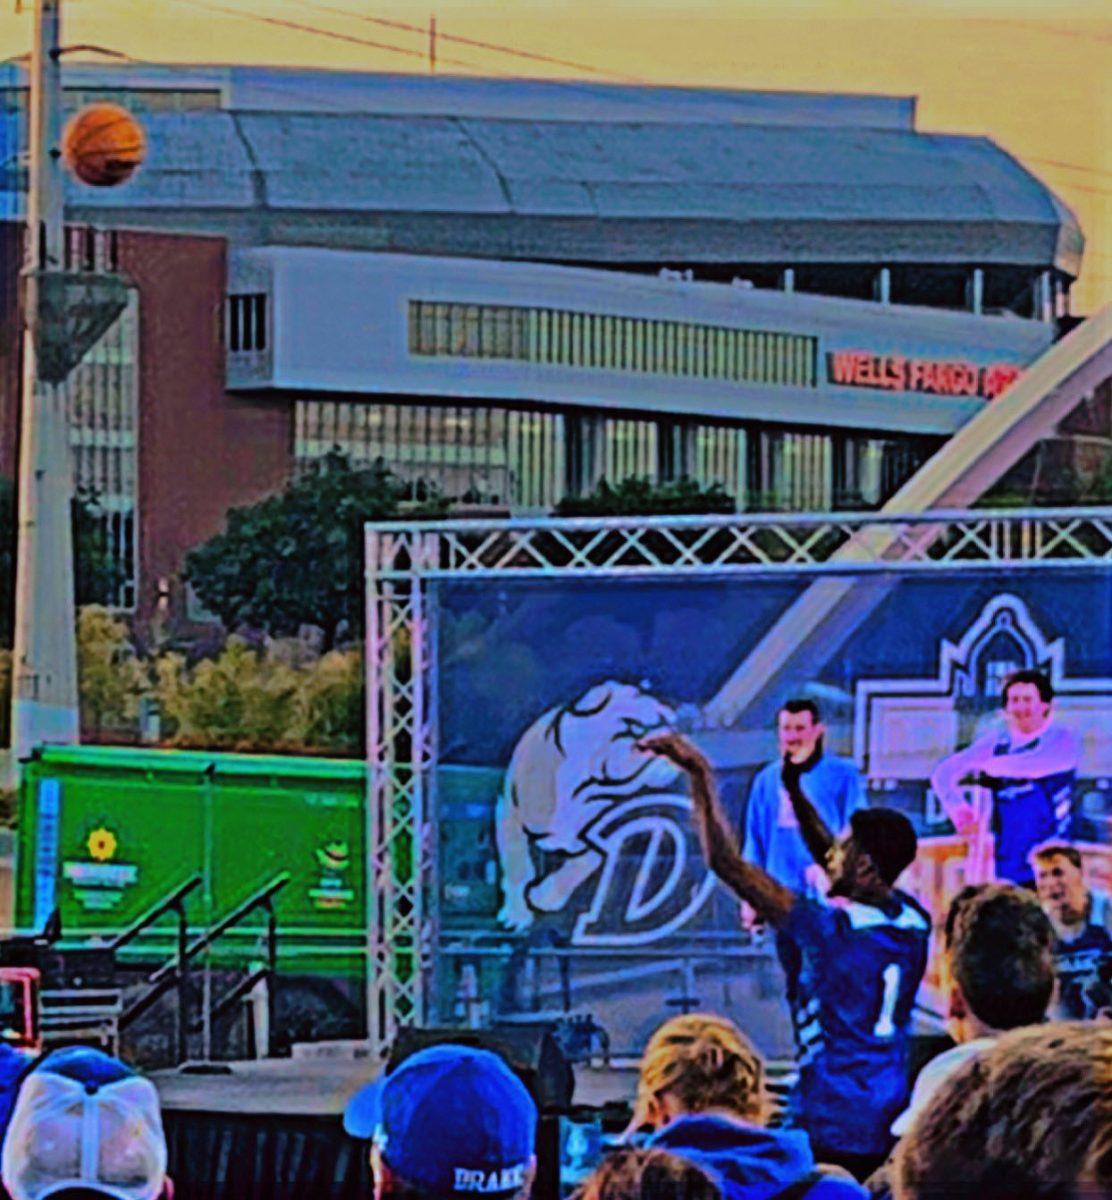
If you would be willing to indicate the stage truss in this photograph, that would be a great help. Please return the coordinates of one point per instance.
(402, 560)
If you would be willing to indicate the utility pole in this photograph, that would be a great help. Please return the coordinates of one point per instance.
(432, 45)
(44, 661)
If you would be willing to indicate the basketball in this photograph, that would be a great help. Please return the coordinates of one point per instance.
(103, 144)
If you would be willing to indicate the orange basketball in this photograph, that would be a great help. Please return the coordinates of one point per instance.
(103, 144)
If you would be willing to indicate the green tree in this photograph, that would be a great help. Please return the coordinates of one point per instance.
(240, 700)
(296, 558)
(328, 710)
(641, 497)
(110, 678)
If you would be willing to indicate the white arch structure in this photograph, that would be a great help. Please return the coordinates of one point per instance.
(813, 628)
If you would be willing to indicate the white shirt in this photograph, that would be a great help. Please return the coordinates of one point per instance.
(933, 1076)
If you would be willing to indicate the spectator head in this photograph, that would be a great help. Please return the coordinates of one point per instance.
(799, 729)
(880, 846)
(1021, 1119)
(1027, 697)
(648, 1175)
(85, 1125)
(696, 1063)
(1001, 950)
(1060, 882)
(449, 1121)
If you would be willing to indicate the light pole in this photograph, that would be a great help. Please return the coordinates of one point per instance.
(44, 661)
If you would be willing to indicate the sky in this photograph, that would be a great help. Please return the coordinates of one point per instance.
(1035, 76)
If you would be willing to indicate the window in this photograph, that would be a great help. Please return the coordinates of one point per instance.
(602, 341)
(102, 398)
(480, 455)
(791, 472)
(245, 329)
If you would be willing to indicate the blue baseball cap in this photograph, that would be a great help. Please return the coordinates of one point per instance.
(451, 1121)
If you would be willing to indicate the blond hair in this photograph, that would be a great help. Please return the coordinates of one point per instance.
(703, 1062)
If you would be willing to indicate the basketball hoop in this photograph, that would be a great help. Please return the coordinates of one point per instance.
(67, 313)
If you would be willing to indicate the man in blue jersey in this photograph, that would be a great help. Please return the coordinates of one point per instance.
(862, 962)
(772, 838)
(1030, 767)
(1083, 949)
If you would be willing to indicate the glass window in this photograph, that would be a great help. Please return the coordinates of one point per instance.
(578, 339)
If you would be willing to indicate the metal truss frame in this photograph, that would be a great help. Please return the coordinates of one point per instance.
(402, 559)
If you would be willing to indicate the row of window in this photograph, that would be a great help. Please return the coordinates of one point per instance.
(524, 459)
(560, 337)
(102, 395)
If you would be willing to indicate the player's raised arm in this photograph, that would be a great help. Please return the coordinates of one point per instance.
(947, 776)
(818, 839)
(772, 900)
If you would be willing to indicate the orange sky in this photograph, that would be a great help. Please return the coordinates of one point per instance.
(1034, 75)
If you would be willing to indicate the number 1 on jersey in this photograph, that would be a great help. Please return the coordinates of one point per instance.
(884, 1027)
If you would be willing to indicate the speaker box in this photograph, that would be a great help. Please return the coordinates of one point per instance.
(531, 1051)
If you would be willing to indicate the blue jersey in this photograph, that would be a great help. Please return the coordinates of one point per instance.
(1084, 968)
(1026, 812)
(861, 969)
(1032, 779)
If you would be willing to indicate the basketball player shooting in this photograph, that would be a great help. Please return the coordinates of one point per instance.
(862, 961)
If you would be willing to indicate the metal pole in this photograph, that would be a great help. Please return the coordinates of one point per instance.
(44, 685)
(206, 1015)
(183, 986)
(271, 975)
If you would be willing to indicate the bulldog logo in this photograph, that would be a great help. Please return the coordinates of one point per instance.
(578, 785)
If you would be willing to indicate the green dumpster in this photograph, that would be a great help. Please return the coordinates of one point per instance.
(107, 833)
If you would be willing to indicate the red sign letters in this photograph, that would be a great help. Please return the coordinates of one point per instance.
(895, 373)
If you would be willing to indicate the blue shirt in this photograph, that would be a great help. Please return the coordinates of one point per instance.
(746, 1161)
(1026, 812)
(861, 971)
(771, 837)
(1084, 968)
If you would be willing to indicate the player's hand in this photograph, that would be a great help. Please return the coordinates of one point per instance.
(751, 920)
(964, 817)
(676, 749)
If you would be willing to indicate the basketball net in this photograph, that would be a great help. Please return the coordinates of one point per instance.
(68, 312)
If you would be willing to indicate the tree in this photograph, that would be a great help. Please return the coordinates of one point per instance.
(296, 558)
(328, 710)
(239, 700)
(642, 497)
(110, 678)
(247, 700)
(97, 576)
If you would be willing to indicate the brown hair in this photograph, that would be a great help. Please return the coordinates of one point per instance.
(1040, 680)
(1049, 850)
(704, 1061)
(1001, 946)
(1020, 1119)
(648, 1175)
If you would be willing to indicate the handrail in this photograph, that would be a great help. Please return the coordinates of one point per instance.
(176, 970)
(163, 906)
(237, 914)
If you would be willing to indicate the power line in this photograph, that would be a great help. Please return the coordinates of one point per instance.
(1050, 162)
(299, 27)
(1080, 187)
(1039, 27)
(496, 47)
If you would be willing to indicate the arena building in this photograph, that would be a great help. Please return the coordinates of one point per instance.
(512, 290)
